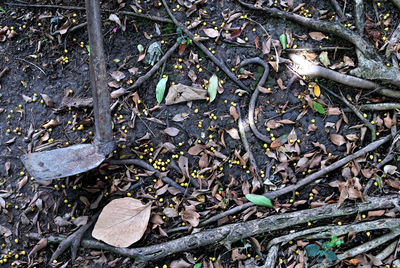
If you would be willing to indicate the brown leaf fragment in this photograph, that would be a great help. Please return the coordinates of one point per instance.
(388, 121)
(317, 36)
(182, 93)
(210, 32)
(273, 124)
(77, 102)
(266, 45)
(333, 111)
(26, 98)
(171, 131)
(196, 149)
(233, 113)
(117, 93)
(117, 75)
(39, 246)
(376, 213)
(191, 216)
(122, 222)
(47, 100)
(337, 139)
(203, 161)
(393, 183)
(234, 133)
(7, 166)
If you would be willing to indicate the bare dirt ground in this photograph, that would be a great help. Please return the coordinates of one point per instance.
(206, 148)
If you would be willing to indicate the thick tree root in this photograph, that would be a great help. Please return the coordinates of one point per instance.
(231, 233)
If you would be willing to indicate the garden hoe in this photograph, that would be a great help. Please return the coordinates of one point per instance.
(76, 159)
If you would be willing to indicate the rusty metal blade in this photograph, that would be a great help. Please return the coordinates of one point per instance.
(62, 162)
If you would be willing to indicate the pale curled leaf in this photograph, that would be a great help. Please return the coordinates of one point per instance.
(213, 87)
(171, 131)
(122, 222)
(211, 32)
(234, 133)
(337, 139)
(181, 93)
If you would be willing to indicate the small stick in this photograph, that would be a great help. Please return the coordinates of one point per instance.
(338, 9)
(246, 145)
(380, 106)
(40, 69)
(219, 63)
(142, 16)
(144, 165)
(3, 72)
(143, 78)
(317, 49)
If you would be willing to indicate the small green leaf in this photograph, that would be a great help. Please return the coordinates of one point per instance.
(312, 250)
(282, 38)
(116, 60)
(3, 10)
(213, 87)
(88, 48)
(160, 89)
(330, 256)
(398, 158)
(318, 107)
(25, 84)
(140, 48)
(259, 200)
(198, 265)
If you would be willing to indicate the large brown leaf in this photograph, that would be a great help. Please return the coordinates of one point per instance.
(122, 222)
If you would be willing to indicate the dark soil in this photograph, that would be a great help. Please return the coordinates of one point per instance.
(34, 58)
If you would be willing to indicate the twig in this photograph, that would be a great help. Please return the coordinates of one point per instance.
(3, 72)
(31, 63)
(304, 67)
(307, 180)
(338, 10)
(316, 49)
(214, 59)
(380, 107)
(73, 240)
(142, 16)
(235, 232)
(385, 253)
(144, 165)
(272, 256)
(246, 145)
(328, 231)
(254, 96)
(143, 78)
(360, 116)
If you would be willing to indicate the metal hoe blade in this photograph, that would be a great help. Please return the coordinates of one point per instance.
(62, 162)
(76, 159)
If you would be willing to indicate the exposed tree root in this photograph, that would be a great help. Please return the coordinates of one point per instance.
(231, 233)
(371, 68)
(307, 180)
(73, 241)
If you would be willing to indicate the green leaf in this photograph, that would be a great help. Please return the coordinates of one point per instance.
(398, 158)
(160, 89)
(330, 256)
(198, 265)
(318, 107)
(3, 10)
(88, 48)
(259, 200)
(140, 48)
(116, 60)
(312, 250)
(282, 38)
(213, 87)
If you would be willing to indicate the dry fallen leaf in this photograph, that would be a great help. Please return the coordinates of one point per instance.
(211, 32)
(337, 139)
(234, 133)
(317, 36)
(181, 93)
(122, 222)
(171, 131)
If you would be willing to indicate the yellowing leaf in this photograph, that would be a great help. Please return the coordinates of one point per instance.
(122, 222)
(317, 90)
